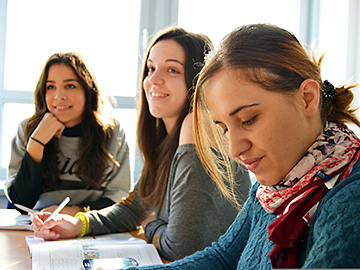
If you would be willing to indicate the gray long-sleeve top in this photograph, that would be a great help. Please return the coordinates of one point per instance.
(193, 215)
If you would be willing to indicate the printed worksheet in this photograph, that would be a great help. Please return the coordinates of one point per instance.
(69, 254)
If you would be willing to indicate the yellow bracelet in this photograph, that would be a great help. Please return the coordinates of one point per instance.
(85, 223)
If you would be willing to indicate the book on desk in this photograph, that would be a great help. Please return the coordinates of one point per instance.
(69, 254)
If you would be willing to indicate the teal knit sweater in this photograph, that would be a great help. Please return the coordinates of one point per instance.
(333, 240)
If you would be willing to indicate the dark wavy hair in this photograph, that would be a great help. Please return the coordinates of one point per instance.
(93, 157)
(156, 145)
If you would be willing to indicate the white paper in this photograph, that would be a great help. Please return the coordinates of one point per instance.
(68, 254)
(107, 239)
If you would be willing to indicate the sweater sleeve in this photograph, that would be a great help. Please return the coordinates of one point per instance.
(120, 217)
(198, 213)
(24, 181)
(119, 179)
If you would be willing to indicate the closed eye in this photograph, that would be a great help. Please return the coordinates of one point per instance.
(249, 122)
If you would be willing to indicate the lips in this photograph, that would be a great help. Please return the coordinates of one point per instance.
(252, 163)
(62, 108)
(158, 95)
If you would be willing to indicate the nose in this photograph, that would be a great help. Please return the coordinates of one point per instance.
(60, 94)
(156, 77)
(238, 143)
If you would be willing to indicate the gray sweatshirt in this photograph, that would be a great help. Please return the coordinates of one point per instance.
(193, 215)
(24, 184)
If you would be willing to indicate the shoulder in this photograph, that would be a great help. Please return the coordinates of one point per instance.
(115, 129)
(347, 187)
(22, 126)
(187, 171)
(334, 234)
(113, 125)
(187, 131)
(342, 202)
(20, 135)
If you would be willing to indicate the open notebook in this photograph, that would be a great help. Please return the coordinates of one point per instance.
(69, 254)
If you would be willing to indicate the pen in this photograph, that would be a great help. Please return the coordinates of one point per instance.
(57, 210)
(24, 208)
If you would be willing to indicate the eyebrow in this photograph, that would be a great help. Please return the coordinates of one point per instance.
(239, 109)
(68, 80)
(242, 107)
(170, 60)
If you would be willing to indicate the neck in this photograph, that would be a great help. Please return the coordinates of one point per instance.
(169, 125)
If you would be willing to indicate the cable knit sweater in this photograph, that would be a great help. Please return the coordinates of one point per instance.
(333, 240)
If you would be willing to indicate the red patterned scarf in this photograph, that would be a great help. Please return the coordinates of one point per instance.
(295, 199)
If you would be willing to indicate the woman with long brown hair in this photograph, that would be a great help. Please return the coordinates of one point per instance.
(179, 205)
(68, 147)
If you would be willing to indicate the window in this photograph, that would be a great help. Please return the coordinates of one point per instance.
(37, 29)
(94, 30)
(216, 19)
(332, 26)
(333, 36)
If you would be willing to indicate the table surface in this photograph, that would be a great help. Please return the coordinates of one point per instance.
(14, 252)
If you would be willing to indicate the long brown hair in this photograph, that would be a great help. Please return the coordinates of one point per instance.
(93, 157)
(274, 59)
(156, 145)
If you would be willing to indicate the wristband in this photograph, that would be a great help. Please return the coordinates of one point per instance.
(85, 223)
(36, 140)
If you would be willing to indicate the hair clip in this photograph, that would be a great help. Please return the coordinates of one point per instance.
(329, 91)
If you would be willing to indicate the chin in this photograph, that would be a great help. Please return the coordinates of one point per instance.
(267, 182)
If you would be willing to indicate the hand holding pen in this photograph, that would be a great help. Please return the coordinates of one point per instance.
(55, 226)
(57, 211)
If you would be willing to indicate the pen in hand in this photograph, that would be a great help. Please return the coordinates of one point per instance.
(57, 210)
